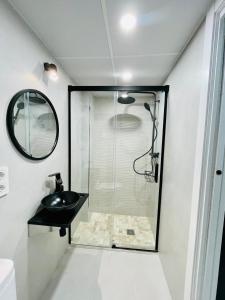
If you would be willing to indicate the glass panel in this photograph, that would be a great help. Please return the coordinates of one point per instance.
(80, 152)
(123, 196)
(136, 196)
(80, 144)
(96, 229)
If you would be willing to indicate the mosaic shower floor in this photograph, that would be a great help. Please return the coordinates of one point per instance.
(105, 230)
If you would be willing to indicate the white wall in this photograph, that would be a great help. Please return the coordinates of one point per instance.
(21, 60)
(180, 145)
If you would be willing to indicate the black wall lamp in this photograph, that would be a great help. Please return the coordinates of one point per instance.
(51, 71)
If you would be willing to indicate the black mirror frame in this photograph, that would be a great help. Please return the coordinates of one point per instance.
(10, 126)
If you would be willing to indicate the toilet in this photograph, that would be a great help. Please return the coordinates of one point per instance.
(7, 280)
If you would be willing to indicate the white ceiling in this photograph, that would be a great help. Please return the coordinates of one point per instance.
(86, 39)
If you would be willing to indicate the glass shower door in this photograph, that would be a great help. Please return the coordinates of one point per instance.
(123, 195)
(96, 229)
(136, 196)
(102, 167)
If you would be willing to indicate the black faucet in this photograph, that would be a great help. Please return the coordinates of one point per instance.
(58, 182)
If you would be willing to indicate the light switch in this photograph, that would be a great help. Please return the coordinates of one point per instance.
(4, 181)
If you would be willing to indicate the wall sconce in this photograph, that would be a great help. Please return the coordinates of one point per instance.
(51, 71)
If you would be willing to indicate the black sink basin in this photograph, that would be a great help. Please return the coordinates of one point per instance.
(60, 201)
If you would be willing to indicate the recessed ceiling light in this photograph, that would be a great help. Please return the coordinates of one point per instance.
(128, 22)
(126, 76)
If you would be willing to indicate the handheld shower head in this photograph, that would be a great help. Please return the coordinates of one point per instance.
(146, 105)
(20, 105)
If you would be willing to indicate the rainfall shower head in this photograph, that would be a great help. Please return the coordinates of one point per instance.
(33, 98)
(146, 105)
(127, 100)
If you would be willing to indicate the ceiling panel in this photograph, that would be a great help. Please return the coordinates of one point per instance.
(86, 38)
(89, 71)
(146, 70)
(163, 26)
(73, 28)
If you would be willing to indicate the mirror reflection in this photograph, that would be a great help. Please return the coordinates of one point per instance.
(33, 124)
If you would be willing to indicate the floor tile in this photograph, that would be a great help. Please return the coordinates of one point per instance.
(96, 274)
(106, 230)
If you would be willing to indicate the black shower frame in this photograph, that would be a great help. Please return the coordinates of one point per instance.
(130, 89)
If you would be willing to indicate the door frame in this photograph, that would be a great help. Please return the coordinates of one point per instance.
(205, 235)
(141, 89)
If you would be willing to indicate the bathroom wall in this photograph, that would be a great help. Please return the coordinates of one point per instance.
(182, 121)
(21, 60)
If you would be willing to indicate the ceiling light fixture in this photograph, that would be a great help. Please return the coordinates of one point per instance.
(126, 76)
(128, 22)
(51, 70)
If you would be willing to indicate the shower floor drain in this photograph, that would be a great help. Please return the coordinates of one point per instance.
(130, 232)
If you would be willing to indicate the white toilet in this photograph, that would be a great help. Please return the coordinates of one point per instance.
(7, 280)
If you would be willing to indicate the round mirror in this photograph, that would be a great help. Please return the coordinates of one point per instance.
(32, 124)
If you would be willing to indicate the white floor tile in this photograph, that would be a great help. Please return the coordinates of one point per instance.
(97, 274)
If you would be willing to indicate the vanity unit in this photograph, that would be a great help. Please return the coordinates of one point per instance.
(61, 219)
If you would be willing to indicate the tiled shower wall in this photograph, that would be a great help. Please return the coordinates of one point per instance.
(119, 134)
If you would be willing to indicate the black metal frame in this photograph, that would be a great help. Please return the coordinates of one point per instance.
(129, 89)
(10, 123)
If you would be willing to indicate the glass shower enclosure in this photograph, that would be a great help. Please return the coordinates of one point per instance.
(116, 147)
